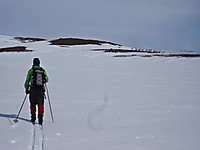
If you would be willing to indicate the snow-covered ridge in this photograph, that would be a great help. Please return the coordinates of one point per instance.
(10, 40)
(26, 44)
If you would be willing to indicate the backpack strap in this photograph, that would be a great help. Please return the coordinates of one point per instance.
(33, 77)
(43, 76)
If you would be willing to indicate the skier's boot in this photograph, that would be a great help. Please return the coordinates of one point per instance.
(40, 114)
(33, 121)
(40, 117)
(33, 115)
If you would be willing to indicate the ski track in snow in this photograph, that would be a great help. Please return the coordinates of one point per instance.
(42, 138)
(33, 137)
(37, 138)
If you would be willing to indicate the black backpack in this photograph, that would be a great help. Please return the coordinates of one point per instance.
(38, 77)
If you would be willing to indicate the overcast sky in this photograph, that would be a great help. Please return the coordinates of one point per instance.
(156, 24)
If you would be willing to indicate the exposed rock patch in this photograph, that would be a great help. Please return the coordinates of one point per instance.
(15, 49)
(127, 51)
(29, 39)
(163, 55)
(76, 41)
(151, 53)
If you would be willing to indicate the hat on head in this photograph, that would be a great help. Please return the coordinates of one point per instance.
(36, 62)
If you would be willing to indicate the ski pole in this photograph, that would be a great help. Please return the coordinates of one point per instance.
(49, 103)
(16, 119)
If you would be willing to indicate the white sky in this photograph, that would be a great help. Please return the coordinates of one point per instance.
(156, 24)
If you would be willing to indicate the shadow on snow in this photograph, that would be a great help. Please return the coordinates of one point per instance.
(13, 116)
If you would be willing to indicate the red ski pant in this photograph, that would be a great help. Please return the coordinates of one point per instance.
(33, 111)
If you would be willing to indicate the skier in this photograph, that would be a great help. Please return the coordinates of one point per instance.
(34, 84)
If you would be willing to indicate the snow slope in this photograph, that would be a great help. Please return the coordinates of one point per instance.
(101, 102)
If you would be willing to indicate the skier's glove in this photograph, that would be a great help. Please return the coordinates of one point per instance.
(27, 91)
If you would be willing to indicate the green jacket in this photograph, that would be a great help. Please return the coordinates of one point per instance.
(28, 78)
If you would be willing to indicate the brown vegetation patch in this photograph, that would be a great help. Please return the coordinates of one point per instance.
(76, 41)
(163, 55)
(29, 39)
(15, 49)
(158, 53)
(128, 51)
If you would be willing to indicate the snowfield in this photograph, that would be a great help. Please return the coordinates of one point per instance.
(101, 102)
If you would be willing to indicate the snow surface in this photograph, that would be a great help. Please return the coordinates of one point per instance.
(101, 102)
